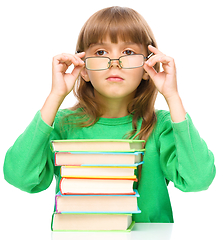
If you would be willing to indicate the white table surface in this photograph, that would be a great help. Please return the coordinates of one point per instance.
(150, 231)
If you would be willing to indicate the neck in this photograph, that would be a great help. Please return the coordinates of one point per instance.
(114, 108)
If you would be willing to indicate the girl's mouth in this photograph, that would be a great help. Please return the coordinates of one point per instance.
(114, 78)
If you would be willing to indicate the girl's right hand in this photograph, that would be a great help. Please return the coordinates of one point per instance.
(62, 82)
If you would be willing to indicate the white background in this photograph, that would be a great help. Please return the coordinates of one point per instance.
(32, 32)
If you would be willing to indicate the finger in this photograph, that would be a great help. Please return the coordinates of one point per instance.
(80, 55)
(77, 56)
(60, 58)
(154, 59)
(150, 70)
(76, 71)
(154, 50)
(74, 59)
(60, 63)
(166, 60)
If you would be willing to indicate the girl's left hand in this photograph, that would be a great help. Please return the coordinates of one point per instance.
(165, 81)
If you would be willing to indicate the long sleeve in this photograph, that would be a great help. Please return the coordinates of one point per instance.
(184, 156)
(29, 162)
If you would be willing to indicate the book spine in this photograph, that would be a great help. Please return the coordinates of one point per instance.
(101, 177)
(104, 178)
(71, 193)
(56, 205)
(55, 159)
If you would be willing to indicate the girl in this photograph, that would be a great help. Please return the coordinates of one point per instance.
(116, 85)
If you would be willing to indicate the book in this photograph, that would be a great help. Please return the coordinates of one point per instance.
(97, 158)
(75, 186)
(91, 222)
(97, 172)
(94, 145)
(96, 186)
(96, 203)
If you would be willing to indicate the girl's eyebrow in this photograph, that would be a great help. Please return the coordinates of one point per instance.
(97, 44)
(107, 44)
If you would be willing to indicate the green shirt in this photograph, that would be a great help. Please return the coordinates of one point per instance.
(174, 152)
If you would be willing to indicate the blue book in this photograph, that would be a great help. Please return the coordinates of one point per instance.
(119, 204)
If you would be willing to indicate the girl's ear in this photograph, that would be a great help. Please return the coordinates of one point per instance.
(145, 76)
(84, 75)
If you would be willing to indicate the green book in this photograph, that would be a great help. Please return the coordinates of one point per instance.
(91, 222)
(97, 145)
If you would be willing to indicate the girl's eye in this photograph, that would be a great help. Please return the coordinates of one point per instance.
(129, 52)
(101, 52)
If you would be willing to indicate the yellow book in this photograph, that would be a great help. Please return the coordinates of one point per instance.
(98, 172)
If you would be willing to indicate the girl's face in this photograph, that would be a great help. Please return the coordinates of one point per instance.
(115, 82)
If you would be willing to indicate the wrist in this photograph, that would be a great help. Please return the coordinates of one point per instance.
(56, 98)
(50, 108)
(173, 99)
(176, 108)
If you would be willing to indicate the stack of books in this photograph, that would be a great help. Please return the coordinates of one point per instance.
(96, 187)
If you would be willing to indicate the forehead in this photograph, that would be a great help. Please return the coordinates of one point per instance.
(107, 43)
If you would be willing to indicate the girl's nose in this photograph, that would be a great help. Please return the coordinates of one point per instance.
(115, 63)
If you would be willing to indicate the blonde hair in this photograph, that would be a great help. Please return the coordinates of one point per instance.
(127, 25)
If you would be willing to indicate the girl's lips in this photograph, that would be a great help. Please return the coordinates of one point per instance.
(114, 79)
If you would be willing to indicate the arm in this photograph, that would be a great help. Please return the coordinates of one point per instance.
(29, 162)
(166, 83)
(184, 156)
(62, 83)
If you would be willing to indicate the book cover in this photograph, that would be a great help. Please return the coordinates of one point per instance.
(97, 158)
(90, 186)
(97, 203)
(98, 172)
(106, 145)
(91, 222)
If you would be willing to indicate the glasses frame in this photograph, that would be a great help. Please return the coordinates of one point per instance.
(117, 59)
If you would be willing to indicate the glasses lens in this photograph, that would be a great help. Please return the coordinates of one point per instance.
(132, 61)
(97, 63)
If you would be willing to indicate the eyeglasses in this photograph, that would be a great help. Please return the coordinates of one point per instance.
(125, 62)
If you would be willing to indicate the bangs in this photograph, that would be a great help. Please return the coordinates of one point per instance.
(117, 23)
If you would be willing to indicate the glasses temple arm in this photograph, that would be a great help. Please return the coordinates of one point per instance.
(150, 55)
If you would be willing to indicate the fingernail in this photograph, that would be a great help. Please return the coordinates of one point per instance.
(81, 52)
